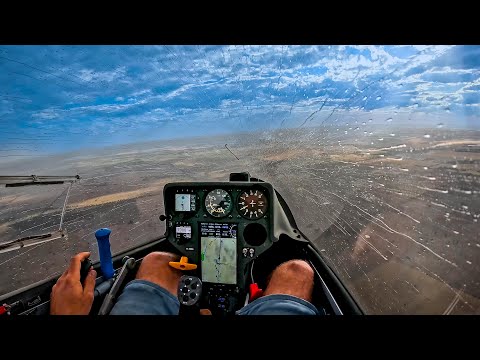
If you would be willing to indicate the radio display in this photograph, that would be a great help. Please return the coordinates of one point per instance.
(183, 233)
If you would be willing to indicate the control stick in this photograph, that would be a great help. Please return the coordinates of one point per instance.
(84, 268)
(103, 240)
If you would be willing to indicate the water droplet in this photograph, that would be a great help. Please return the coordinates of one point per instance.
(364, 98)
(426, 136)
(389, 119)
(454, 166)
(425, 168)
(369, 120)
(392, 134)
(440, 125)
(378, 98)
(346, 132)
(447, 109)
(365, 132)
(364, 123)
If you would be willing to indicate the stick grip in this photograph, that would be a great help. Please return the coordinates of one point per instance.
(103, 240)
(84, 269)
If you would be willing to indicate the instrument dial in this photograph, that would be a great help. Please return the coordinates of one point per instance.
(252, 204)
(218, 203)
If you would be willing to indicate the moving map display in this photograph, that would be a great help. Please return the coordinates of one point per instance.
(218, 243)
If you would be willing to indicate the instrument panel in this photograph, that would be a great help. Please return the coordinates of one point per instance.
(221, 227)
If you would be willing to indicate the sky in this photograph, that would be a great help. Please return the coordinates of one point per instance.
(63, 98)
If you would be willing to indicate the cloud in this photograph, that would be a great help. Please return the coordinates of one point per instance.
(47, 114)
(92, 75)
(123, 88)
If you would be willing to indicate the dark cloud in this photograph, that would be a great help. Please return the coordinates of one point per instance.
(450, 77)
(460, 57)
(471, 98)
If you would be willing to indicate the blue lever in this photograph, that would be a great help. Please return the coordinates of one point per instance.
(103, 240)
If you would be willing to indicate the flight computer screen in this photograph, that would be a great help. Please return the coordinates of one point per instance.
(218, 243)
(184, 202)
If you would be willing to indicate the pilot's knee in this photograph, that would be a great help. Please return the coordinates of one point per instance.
(155, 268)
(158, 259)
(297, 269)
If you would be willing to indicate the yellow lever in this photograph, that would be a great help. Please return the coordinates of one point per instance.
(183, 264)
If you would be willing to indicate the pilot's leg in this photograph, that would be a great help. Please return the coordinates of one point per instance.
(288, 292)
(154, 290)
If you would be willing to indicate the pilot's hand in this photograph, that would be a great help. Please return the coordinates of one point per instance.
(68, 296)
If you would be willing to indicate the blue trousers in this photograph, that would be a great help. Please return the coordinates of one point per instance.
(141, 297)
